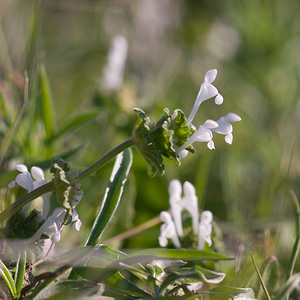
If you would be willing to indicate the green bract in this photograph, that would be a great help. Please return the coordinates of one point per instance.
(163, 138)
(66, 184)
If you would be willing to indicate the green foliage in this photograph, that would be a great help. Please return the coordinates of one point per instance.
(161, 139)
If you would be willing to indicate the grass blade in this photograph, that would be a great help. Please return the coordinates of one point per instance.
(20, 271)
(260, 278)
(184, 254)
(46, 103)
(112, 196)
(8, 279)
(75, 122)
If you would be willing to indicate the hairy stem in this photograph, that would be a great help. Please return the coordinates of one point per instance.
(49, 187)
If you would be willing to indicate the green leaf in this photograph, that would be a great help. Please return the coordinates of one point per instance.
(288, 287)
(46, 104)
(195, 272)
(20, 272)
(112, 196)
(31, 39)
(75, 122)
(6, 275)
(184, 254)
(3, 107)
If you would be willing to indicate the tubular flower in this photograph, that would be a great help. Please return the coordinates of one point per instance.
(172, 135)
(172, 227)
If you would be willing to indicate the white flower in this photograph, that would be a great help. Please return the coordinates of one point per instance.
(205, 131)
(113, 74)
(168, 231)
(224, 126)
(172, 223)
(207, 91)
(190, 203)
(25, 180)
(175, 204)
(205, 229)
(52, 226)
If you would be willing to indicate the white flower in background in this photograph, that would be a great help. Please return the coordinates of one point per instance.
(175, 191)
(190, 203)
(205, 229)
(30, 181)
(114, 71)
(172, 222)
(168, 231)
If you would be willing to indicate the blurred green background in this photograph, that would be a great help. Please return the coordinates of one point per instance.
(255, 46)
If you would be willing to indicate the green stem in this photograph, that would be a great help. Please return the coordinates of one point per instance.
(49, 187)
(296, 246)
(105, 159)
(46, 188)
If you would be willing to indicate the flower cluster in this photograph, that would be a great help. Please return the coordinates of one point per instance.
(51, 225)
(172, 227)
(173, 135)
(205, 131)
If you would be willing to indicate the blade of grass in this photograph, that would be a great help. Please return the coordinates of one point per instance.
(112, 196)
(31, 38)
(9, 135)
(20, 272)
(111, 199)
(46, 104)
(296, 247)
(75, 122)
(3, 107)
(260, 278)
(8, 279)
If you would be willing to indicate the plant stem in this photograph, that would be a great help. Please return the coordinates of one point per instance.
(105, 159)
(49, 187)
(296, 246)
(260, 278)
(134, 231)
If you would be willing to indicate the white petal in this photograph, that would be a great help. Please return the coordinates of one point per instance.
(229, 138)
(74, 215)
(37, 173)
(21, 168)
(219, 99)
(206, 217)
(183, 153)
(210, 124)
(211, 145)
(58, 212)
(208, 91)
(211, 75)
(55, 237)
(189, 189)
(25, 181)
(163, 242)
(233, 117)
(175, 187)
(165, 217)
(76, 225)
(12, 184)
(202, 135)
